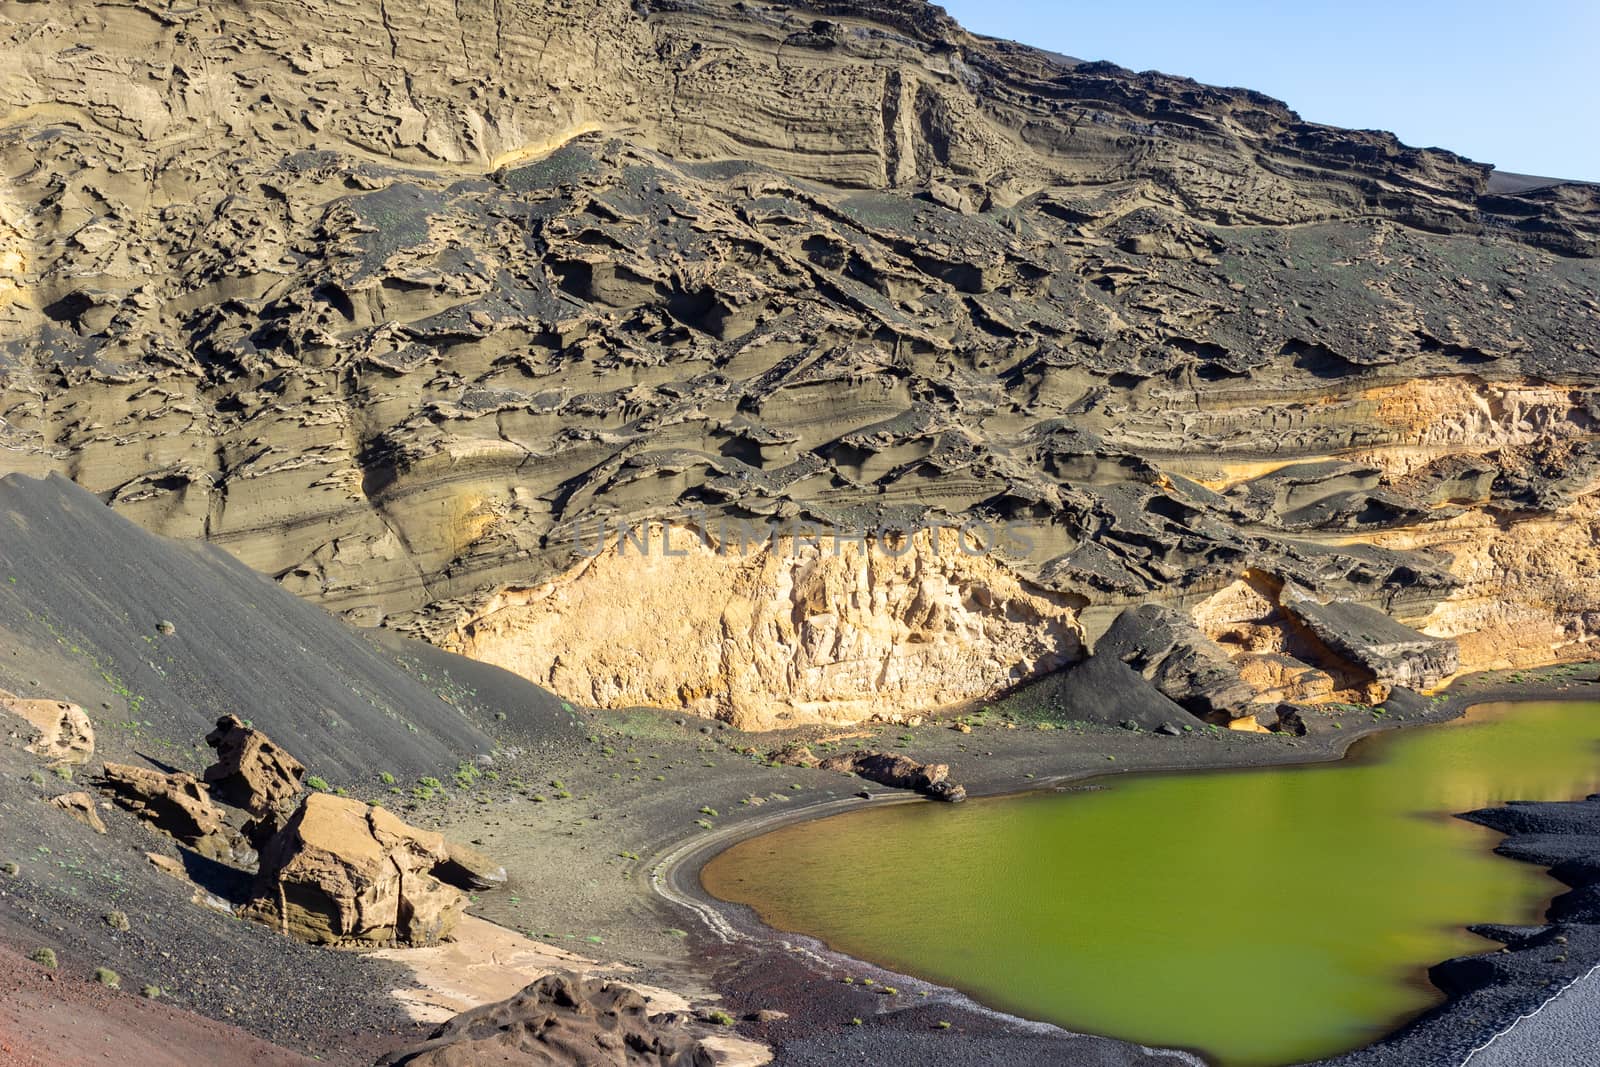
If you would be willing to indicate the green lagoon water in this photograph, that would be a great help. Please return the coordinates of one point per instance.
(1260, 917)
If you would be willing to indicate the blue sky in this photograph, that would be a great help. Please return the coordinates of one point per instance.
(1515, 83)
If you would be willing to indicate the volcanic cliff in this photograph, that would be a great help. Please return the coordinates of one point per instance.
(403, 302)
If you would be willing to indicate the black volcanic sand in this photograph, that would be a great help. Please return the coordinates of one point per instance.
(586, 809)
(83, 593)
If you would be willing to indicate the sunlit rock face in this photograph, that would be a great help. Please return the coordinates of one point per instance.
(389, 298)
(792, 630)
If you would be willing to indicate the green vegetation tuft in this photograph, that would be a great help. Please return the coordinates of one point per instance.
(319, 784)
(107, 977)
(44, 957)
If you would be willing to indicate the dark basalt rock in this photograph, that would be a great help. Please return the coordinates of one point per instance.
(1389, 651)
(1180, 661)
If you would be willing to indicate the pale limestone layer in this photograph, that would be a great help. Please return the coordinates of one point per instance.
(791, 631)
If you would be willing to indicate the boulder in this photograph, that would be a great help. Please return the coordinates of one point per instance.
(1181, 662)
(59, 732)
(1369, 641)
(80, 806)
(347, 873)
(466, 868)
(177, 804)
(559, 1020)
(254, 774)
(899, 772)
(794, 754)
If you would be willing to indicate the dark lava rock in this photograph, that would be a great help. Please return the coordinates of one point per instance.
(1392, 652)
(1189, 668)
(899, 772)
(560, 1020)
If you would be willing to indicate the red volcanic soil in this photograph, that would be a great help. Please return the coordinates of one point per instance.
(51, 1019)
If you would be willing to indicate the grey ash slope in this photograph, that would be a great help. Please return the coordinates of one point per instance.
(83, 592)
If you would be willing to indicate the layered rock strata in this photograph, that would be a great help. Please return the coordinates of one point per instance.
(395, 300)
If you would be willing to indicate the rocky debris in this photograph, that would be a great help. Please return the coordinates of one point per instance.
(1290, 720)
(559, 1020)
(177, 804)
(59, 732)
(254, 774)
(932, 780)
(1391, 652)
(794, 754)
(168, 865)
(1185, 665)
(346, 873)
(80, 806)
(466, 868)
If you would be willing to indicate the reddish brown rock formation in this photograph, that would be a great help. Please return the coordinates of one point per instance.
(558, 1021)
(177, 804)
(254, 774)
(58, 731)
(346, 873)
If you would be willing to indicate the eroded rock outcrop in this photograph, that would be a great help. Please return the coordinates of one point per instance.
(1290, 647)
(80, 806)
(766, 635)
(562, 1019)
(254, 774)
(346, 873)
(177, 804)
(57, 731)
(1371, 641)
(932, 780)
(467, 868)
